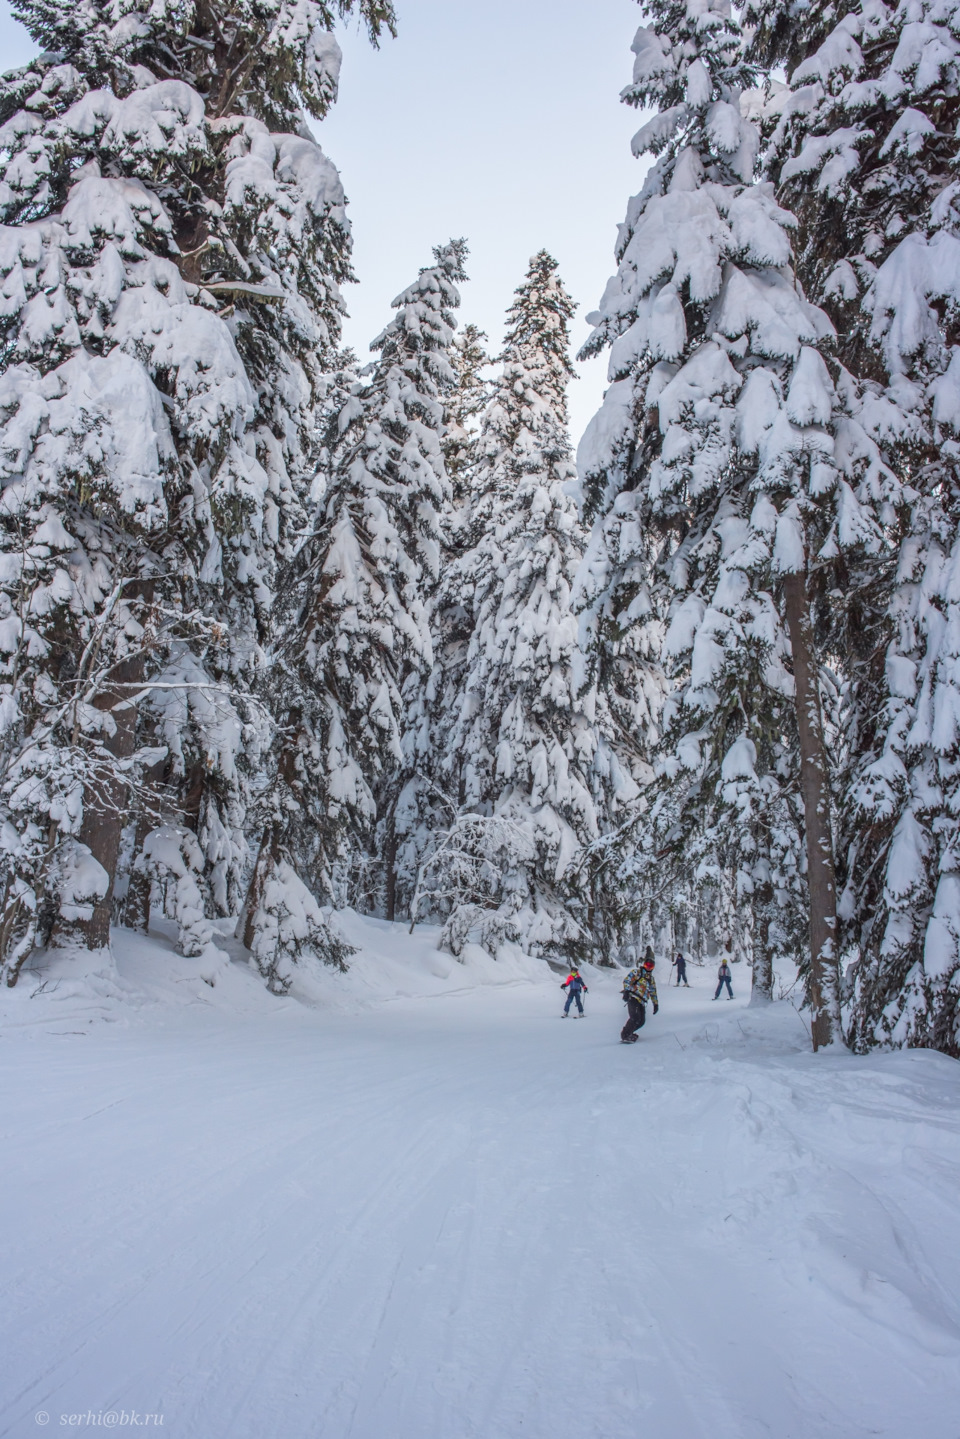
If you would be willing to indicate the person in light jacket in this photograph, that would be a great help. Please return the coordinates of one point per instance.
(723, 975)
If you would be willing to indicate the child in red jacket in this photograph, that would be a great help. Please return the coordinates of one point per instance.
(576, 986)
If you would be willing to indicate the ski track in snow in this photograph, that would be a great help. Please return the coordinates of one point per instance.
(451, 1217)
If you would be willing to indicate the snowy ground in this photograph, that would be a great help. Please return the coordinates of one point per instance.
(452, 1216)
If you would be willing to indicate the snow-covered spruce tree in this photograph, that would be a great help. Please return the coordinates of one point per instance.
(723, 468)
(353, 636)
(512, 736)
(865, 150)
(172, 247)
(464, 406)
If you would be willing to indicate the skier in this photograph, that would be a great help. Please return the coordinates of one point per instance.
(577, 987)
(638, 987)
(723, 975)
(681, 966)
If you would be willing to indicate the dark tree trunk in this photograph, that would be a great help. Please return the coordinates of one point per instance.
(390, 860)
(386, 831)
(270, 845)
(104, 808)
(136, 905)
(267, 857)
(824, 987)
(761, 989)
(194, 787)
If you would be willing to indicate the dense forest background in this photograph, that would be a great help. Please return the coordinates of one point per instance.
(287, 628)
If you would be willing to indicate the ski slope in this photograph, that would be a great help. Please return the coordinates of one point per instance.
(452, 1215)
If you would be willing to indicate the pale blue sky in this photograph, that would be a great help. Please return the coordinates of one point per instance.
(497, 120)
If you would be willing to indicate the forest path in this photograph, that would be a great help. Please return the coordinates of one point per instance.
(463, 1218)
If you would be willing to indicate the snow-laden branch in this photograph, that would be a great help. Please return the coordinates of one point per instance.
(470, 843)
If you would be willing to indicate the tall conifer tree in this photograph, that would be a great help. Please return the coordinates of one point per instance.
(723, 468)
(355, 645)
(863, 146)
(513, 741)
(171, 256)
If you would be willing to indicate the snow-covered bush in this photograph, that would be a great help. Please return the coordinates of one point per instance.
(82, 882)
(288, 927)
(172, 862)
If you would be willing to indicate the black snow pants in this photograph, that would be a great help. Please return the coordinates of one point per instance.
(636, 1017)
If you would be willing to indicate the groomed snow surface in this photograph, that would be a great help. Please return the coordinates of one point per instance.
(420, 1206)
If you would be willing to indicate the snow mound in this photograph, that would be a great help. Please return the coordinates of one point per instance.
(142, 975)
(392, 964)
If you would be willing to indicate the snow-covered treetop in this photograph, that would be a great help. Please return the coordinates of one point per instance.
(267, 58)
(523, 463)
(390, 485)
(526, 536)
(180, 103)
(210, 251)
(704, 257)
(689, 66)
(465, 404)
(524, 427)
(538, 327)
(687, 218)
(416, 342)
(866, 153)
(412, 377)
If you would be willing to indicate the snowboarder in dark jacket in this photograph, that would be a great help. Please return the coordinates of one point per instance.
(576, 986)
(639, 987)
(681, 967)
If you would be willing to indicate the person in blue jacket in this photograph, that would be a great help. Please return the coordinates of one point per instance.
(575, 985)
